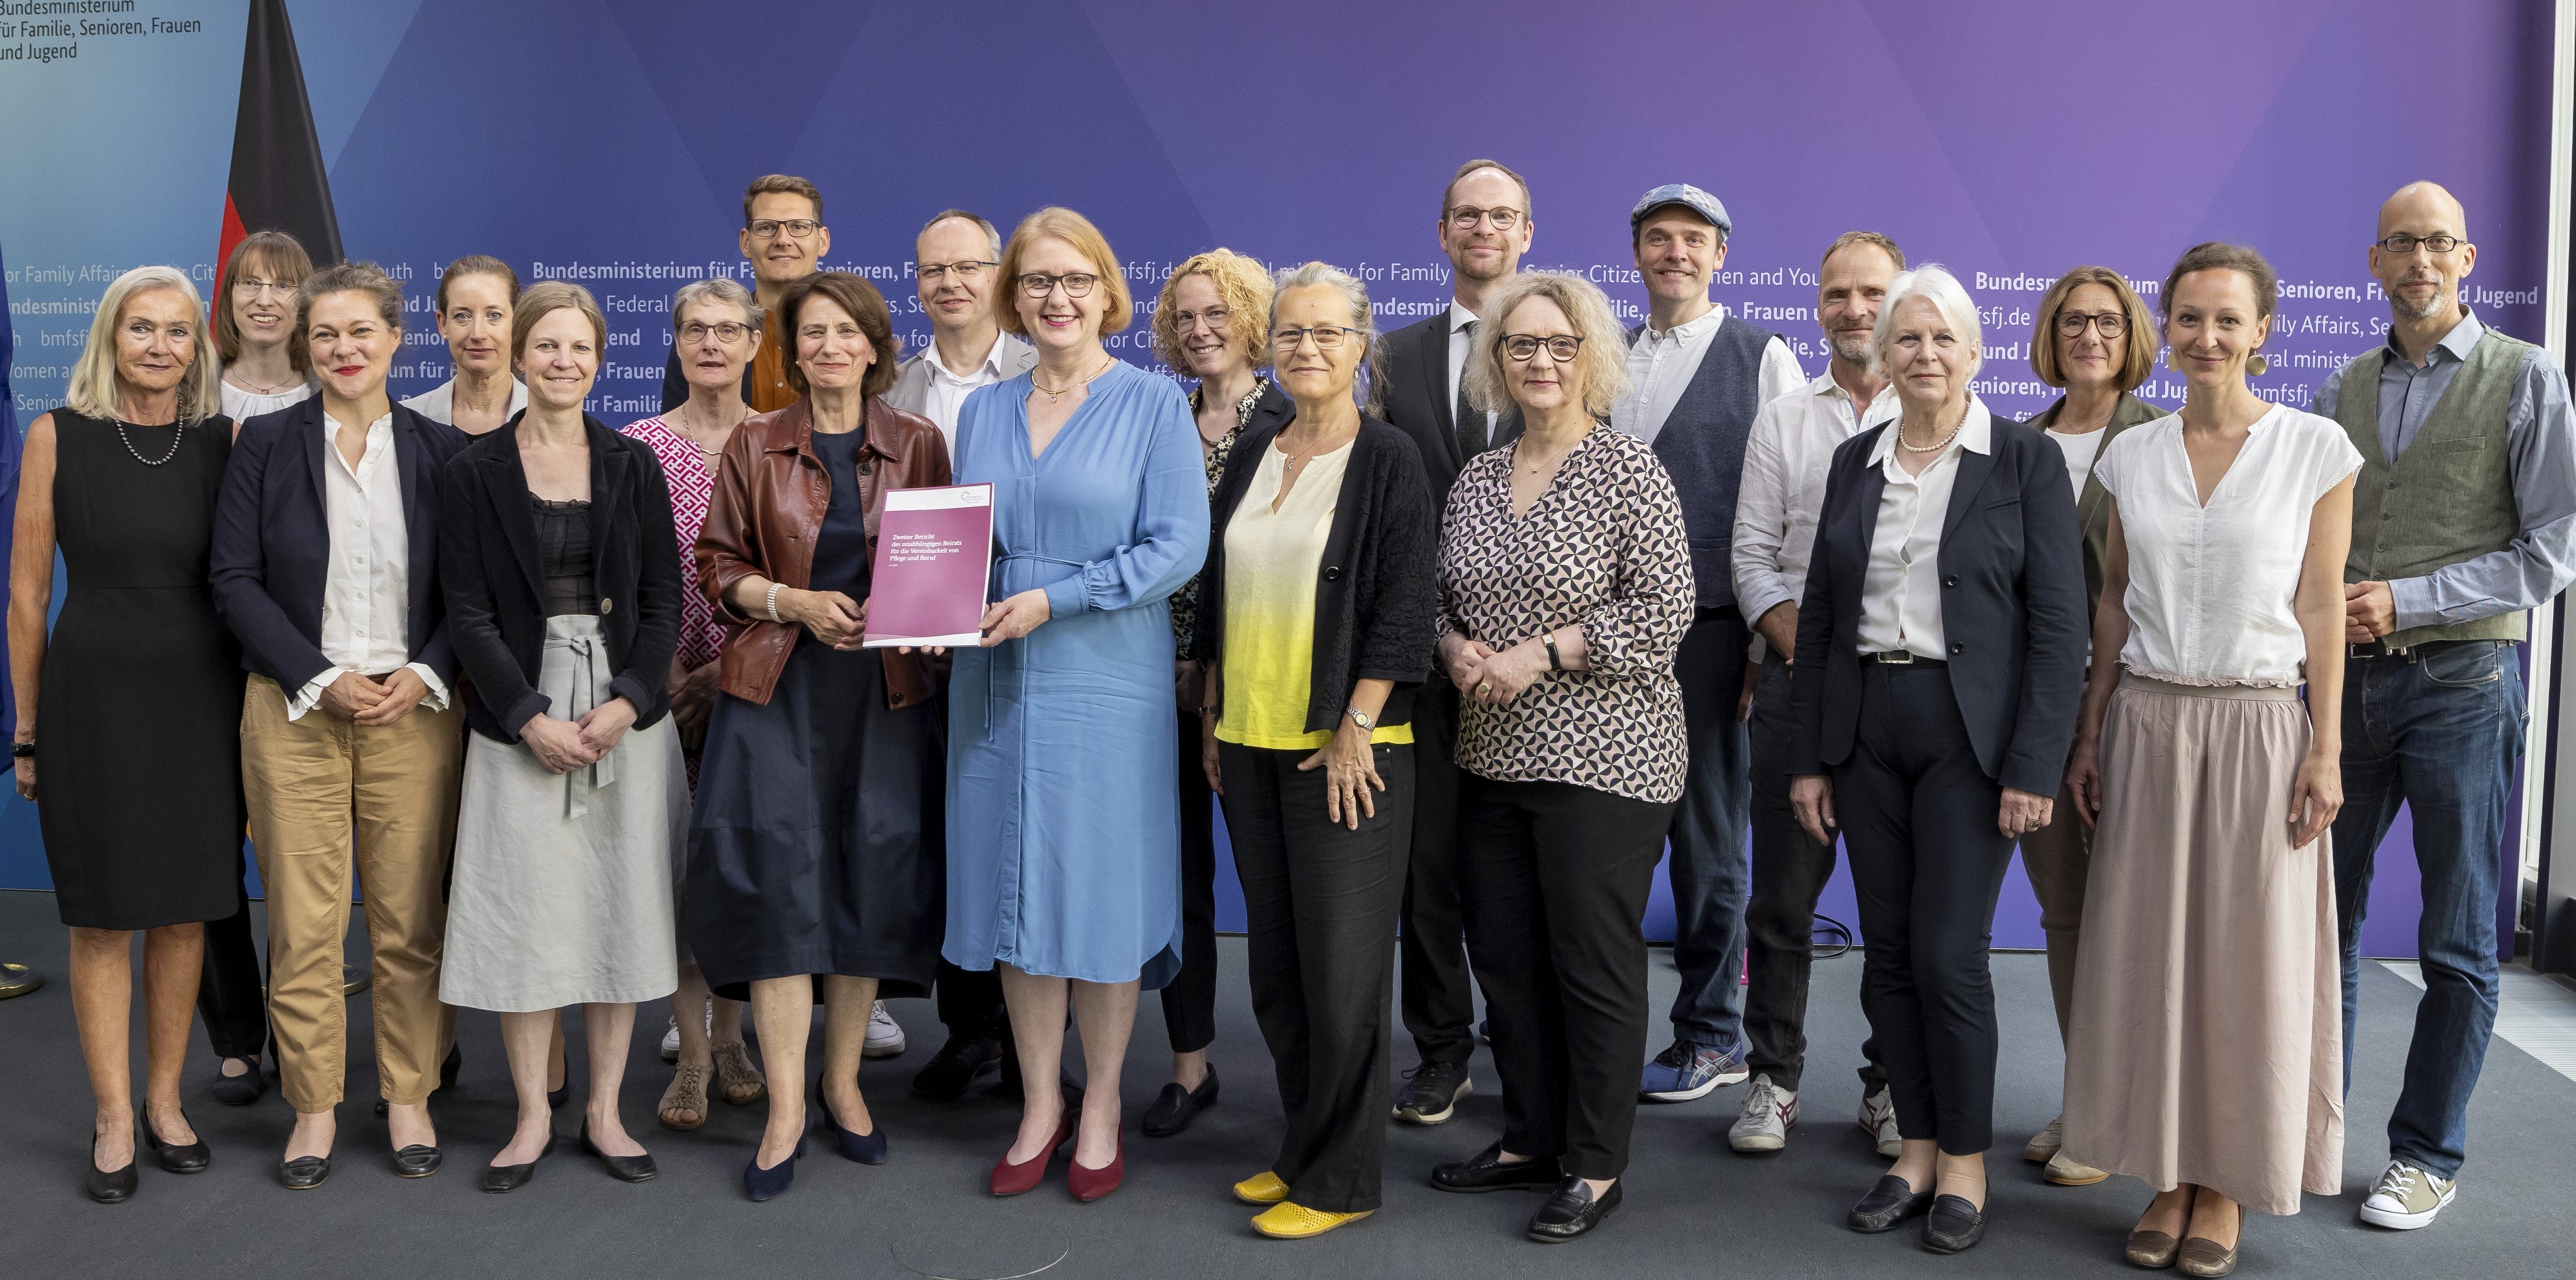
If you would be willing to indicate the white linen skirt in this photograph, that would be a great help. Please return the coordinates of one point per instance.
(564, 882)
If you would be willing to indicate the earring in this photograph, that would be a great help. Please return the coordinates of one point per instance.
(2257, 365)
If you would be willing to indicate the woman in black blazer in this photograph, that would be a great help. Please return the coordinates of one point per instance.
(1945, 619)
(1315, 624)
(563, 603)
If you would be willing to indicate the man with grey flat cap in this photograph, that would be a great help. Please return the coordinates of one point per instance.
(1697, 375)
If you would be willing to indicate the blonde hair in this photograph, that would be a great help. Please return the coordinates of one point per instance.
(1056, 222)
(1602, 361)
(93, 391)
(549, 296)
(1240, 284)
(2137, 356)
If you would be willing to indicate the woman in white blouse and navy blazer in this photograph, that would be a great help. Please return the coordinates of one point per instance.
(1945, 613)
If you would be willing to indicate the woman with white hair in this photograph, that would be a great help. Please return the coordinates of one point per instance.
(1565, 587)
(137, 694)
(1945, 614)
(1316, 631)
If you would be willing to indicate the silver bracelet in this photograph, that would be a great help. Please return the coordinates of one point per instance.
(771, 603)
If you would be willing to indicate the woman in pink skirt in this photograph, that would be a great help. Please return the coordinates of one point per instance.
(2205, 1053)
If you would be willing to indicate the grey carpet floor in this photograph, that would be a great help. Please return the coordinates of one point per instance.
(1693, 1208)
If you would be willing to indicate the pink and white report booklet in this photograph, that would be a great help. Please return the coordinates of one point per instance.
(934, 557)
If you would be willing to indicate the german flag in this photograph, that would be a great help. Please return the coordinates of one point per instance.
(278, 183)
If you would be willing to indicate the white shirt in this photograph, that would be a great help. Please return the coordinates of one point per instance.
(2079, 451)
(1460, 318)
(947, 391)
(366, 595)
(2213, 590)
(242, 406)
(1786, 457)
(1661, 366)
(438, 404)
(1900, 601)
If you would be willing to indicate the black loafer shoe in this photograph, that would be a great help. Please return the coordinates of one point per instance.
(500, 1178)
(1571, 1211)
(244, 1089)
(1485, 1171)
(303, 1173)
(1431, 1093)
(957, 1066)
(1175, 1106)
(192, 1158)
(417, 1161)
(623, 1168)
(1954, 1226)
(1892, 1201)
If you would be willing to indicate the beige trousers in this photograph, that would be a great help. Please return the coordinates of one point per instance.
(330, 798)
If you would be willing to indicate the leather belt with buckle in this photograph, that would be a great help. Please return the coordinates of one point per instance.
(1901, 658)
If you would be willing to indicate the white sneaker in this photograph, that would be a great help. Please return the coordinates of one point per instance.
(1878, 1120)
(2407, 1197)
(671, 1042)
(1763, 1124)
(885, 1035)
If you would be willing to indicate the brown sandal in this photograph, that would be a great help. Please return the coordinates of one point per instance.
(686, 1096)
(734, 1071)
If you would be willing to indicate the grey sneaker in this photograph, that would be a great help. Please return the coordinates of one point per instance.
(2407, 1197)
(1878, 1120)
(1763, 1124)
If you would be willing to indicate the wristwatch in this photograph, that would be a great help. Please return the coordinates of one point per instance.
(1554, 662)
(22, 750)
(1366, 722)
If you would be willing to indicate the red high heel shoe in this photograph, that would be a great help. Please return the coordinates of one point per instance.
(1011, 1179)
(1088, 1185)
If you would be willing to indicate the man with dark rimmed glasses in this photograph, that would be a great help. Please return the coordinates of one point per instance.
(784, 239)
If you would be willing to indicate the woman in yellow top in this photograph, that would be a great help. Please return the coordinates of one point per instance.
(1315, 625)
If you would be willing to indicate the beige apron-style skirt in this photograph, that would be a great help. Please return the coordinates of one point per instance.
(564, 881)
(2207, 1039)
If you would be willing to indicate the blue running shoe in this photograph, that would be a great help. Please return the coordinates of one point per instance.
(1686, 1071)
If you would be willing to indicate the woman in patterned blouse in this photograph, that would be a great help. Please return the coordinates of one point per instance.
(1208, 325)
(1565, 587)
(715, 327)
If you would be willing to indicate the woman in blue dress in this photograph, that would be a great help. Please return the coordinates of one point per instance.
(1064, 826)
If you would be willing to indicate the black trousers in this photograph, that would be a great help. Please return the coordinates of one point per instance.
(1321, 902)
(1438, 1002)
(1789, 873)
(232, 988)
(1189, 1001)
(1556, 878)
(1918, 818)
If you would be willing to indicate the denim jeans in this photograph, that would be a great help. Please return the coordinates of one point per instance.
(2439, 731)
(1708, 868)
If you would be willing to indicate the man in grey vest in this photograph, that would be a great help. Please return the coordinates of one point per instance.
(1697, 376)
(2464, 519)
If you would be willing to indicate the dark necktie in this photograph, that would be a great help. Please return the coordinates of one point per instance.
(1470, 420)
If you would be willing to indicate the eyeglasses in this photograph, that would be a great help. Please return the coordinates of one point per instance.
(2072, 324)
(1501, 218)
(1561, 348)
(727, 333)
(1214, 318)
(252, 287)
(798, 228)
(1077, 284)
(1328, 337)
(2404, 243)
(966, 272)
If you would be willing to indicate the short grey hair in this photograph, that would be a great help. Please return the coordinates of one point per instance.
(715, 289)
(992, 234)
(1363, 317)
(1933, 283)
(1603, 359)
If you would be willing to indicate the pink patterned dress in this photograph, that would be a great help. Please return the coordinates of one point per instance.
(693, 485)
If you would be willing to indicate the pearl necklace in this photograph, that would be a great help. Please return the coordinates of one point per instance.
(177, 438)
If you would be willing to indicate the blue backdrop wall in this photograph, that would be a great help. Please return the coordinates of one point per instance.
(609, 142)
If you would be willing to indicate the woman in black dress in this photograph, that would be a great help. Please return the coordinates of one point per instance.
(138, 695)
(815, 848)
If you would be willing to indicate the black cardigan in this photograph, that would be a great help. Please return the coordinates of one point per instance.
(1376, 590)
(496, 613)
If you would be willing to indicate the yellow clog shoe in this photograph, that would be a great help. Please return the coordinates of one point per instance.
(1261, 1188)
(1285, 1221)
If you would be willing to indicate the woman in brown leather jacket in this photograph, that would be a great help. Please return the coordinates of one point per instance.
(816, 847)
